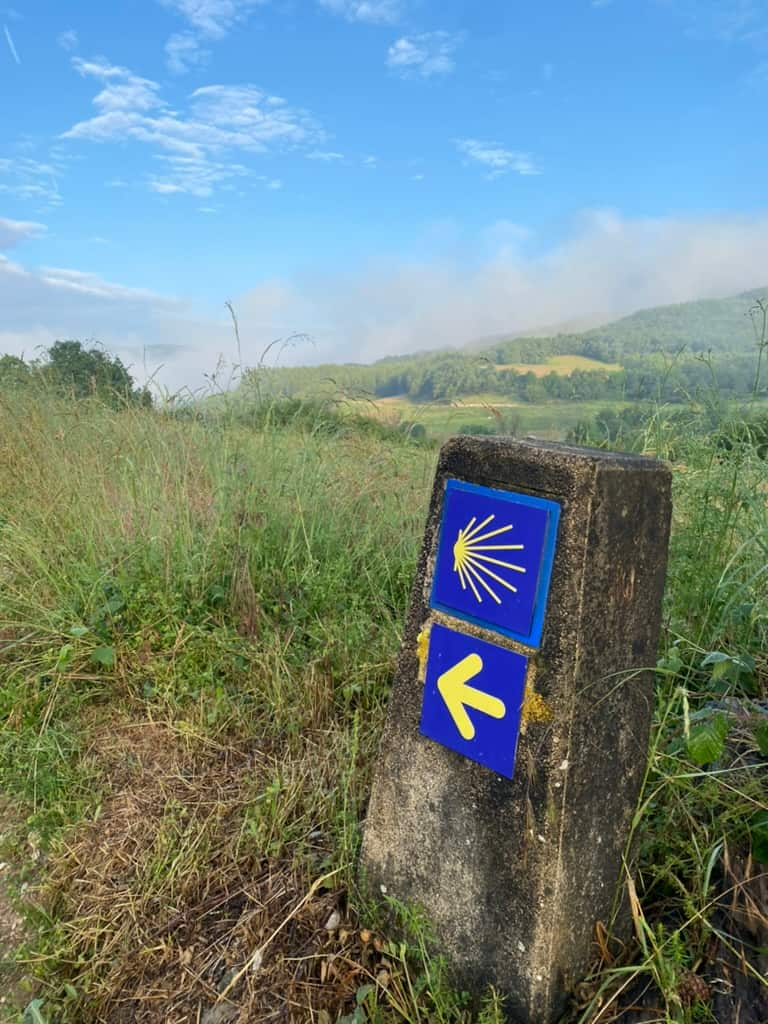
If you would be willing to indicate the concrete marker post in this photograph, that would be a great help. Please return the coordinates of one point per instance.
(518, 727)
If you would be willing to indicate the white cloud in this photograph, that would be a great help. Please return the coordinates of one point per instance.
(14, 231)
(124, 91)
(378, 12)
(11, 45)
(193, 176)
(92, 285)
(209, 19)
(68, 40)
(213, 18)
(197, 145)
(184, 51)
(250, 117)
(325, 156)
(31, 180)
(430, 53)
(496, 158)
(41, 305)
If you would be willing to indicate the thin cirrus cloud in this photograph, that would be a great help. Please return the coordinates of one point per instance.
(325, 156)
(730, 21)
(68, 40)
(184, 51)
(376, 12)
(11, 45)
(496, 158)
(213, 18)
(208, 20)
(424, 55)
(196, 147)
(192, 176)
(735, 23)
(31, 180)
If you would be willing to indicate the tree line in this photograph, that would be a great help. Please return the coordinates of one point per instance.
(449, 376)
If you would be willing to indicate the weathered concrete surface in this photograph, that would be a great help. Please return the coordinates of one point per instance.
(514, 874)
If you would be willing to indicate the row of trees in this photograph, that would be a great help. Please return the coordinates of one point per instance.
(72, 371)
(449, 376)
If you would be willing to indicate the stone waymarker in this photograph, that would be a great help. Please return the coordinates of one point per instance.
(518, 727)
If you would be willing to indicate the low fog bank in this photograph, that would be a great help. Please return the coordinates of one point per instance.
(608, 264)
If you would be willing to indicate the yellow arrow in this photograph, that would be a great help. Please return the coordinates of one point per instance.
(458, 696)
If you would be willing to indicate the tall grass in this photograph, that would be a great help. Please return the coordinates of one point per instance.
(199, 617)
(700, 896)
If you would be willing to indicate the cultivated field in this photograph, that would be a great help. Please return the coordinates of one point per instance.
(565, 365)
(492, 413)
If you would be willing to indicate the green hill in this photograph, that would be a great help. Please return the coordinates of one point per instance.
(624, 359)
(718, 324)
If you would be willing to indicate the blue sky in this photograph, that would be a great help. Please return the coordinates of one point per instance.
(383, 174)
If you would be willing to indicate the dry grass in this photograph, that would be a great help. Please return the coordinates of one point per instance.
(176, 911)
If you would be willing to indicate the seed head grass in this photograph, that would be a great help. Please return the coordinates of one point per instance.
(199, 621)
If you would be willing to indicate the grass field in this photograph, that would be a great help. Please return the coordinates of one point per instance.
(550, 420)
(561, 364)
(199, 622)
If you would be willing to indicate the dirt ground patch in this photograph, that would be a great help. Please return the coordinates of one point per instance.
(209, 927)
(12, 931)
(11, 934)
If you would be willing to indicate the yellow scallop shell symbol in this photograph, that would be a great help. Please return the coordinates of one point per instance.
(472, 561)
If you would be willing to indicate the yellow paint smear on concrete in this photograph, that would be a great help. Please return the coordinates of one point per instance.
(422, 647)
(535, 708)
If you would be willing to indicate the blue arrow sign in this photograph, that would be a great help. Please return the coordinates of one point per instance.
(473, 696)
(494, 559)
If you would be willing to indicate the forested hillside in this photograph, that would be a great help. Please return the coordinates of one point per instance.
(655, 353)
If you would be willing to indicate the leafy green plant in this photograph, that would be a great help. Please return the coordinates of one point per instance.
(758, 830)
